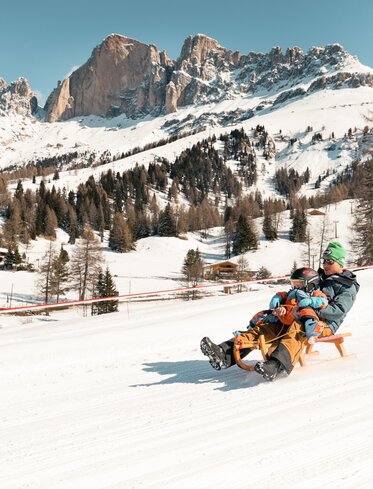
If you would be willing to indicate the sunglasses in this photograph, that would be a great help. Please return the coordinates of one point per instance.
(328, 262)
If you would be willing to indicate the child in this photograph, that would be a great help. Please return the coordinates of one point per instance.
(298, 303)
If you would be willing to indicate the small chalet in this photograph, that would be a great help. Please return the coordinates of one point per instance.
(223, 269)
(226, 270)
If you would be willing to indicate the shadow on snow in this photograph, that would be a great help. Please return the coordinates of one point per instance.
(200, 372)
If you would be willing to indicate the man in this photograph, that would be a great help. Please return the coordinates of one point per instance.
(339, 286)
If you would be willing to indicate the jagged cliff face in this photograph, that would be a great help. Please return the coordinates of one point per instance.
(121, 76)
(17, 97)
(126, 76)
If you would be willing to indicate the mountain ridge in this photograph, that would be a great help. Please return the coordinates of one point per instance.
(124, 75)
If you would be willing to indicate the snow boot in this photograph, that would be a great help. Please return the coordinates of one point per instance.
(214, 353)
(269, 369)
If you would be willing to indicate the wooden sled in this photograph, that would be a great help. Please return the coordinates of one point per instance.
(267, 348)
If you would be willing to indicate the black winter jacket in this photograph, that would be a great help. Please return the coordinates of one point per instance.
(341, 290)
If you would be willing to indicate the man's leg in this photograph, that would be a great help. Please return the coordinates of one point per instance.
(222, 355)
(290, 347)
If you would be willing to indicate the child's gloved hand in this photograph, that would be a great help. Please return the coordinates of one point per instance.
(313, 328)
(298, 294)
(275, 301)
(314, 302)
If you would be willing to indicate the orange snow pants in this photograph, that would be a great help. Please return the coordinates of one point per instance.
(292, 339)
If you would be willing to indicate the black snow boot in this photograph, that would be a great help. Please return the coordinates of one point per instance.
(214, 353)
(269, 369)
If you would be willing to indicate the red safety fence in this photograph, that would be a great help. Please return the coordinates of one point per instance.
(127, 297)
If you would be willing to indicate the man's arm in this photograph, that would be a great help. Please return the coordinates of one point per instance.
(338, 307)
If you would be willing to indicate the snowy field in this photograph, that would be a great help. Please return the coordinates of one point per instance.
(128, 401)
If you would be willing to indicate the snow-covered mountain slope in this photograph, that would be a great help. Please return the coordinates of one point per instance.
(326, 112)
(127, 401)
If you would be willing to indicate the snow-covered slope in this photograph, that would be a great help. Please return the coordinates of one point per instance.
(23, 139)
(127, 401)
(325, 112)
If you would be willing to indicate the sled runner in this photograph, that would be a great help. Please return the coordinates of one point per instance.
(267, 348)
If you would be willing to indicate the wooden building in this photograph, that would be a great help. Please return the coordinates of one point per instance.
(226, 270)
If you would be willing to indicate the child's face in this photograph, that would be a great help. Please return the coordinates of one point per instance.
(298, 284)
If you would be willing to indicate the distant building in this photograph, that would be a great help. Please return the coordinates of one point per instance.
(227, 270)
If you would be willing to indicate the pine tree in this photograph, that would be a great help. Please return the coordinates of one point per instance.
(363, 222)
(60, 276)
(167, 224)
(17, 256)
(13, 225)
(299, 227)
(120, 238)
(263, 272)
(9, 258)
(245, 238)
(50, 223)
(105, 287)
(12, 257)
(269, 230)
(193, 269)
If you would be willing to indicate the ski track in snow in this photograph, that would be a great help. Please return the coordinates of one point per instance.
(128, 401)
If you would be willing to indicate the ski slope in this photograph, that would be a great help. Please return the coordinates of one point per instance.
(127, 401)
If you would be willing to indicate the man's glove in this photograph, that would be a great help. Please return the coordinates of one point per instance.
(313, 327)
(314, 302)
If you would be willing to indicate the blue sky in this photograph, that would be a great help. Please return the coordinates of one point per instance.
(44, 40)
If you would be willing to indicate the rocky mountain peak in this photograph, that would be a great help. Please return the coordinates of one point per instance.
(198, 48)
(121, 75)
(17, 97)
(294, 55)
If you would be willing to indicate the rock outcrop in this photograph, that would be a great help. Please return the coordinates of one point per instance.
(17, 97)
(121, 76)
(126, 76)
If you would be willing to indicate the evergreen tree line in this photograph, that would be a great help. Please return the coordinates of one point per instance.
(126, 206)
(288, 182)
(237, 146)
(99, 204)
(200, 170)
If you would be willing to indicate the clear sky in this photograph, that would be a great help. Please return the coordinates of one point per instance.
(44, 40)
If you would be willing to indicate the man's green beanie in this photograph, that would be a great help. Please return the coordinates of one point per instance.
(336, 252)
